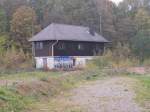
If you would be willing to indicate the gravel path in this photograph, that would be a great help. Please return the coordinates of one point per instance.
(113, 95)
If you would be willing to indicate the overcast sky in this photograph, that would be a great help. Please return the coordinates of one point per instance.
(116, 1)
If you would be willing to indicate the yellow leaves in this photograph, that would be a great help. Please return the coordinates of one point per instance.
(23, 25)
(142, 19)
(22, 16)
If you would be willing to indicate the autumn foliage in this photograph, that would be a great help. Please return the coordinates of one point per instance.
(23, 26)
(127, 23)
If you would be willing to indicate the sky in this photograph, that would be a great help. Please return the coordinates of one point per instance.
(116, 1)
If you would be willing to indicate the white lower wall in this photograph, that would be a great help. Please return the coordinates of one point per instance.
(39, 63)
(52, 62)
(82, 61)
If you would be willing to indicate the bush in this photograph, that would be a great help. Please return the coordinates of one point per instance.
(3, 42)
(104, 61)
(146, 62)
(121, 56)
(14, 58)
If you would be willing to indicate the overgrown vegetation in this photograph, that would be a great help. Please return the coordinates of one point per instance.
(28, 75)
(16, 97)
(46, 85)
(11, 101)
(142, 89)
(120, 57)
(15, 59)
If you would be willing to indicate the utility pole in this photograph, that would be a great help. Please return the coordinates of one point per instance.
(32, 20)
(99, 10)
(100, 23)
(32, 34)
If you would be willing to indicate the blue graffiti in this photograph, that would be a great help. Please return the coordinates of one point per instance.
(64, 62)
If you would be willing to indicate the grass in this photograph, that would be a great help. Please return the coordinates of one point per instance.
(142, 89)
(12, 102)
(29, 75)
(50, 84)
(55, 104)
(47, 86)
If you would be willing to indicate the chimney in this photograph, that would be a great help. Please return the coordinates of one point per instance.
(91, 31)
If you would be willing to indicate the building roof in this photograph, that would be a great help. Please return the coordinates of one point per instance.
(67, 32)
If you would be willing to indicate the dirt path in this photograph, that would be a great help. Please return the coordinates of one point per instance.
(110, 95)
(113, 95)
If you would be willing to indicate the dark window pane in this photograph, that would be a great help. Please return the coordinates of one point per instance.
(61, 46)
(39, 45)
(80, 47)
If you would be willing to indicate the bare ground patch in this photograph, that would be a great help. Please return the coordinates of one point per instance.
(110, 95)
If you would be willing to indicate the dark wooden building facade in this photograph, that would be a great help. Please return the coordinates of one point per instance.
(68, 48)
(59, 40)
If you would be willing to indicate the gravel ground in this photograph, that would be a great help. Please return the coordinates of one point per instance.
(113, 95)
(109, 95)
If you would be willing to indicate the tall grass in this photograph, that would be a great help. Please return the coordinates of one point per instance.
(142, 89)
(15, 59)
(11, 101)
(120, 57)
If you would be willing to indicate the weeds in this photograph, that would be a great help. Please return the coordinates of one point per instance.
(15, 58)
(142, 89)
(11, 102)
(45, 86)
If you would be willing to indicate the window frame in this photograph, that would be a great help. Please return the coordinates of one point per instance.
(39, 45)
(81, 47)
(61, 46)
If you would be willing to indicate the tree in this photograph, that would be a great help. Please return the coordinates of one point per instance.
(39, 6)
(3, 34)
(141, 45)
(22, 26)
(2, 21)
(3, 43)
(142, 19)
(10, 6)
(108, 20)
(78, 12)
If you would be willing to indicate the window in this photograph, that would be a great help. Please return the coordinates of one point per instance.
(39, 45)
(61, 46)
(80, 47)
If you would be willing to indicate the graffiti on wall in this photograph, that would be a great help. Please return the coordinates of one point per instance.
(65, 62)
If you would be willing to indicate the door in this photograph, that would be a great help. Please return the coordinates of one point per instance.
(45, 63)
(74, 62)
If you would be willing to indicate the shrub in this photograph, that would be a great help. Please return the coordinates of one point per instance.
(3, 42)
(44, 79)
(121, 56)
(146, 62)
(14, 58)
